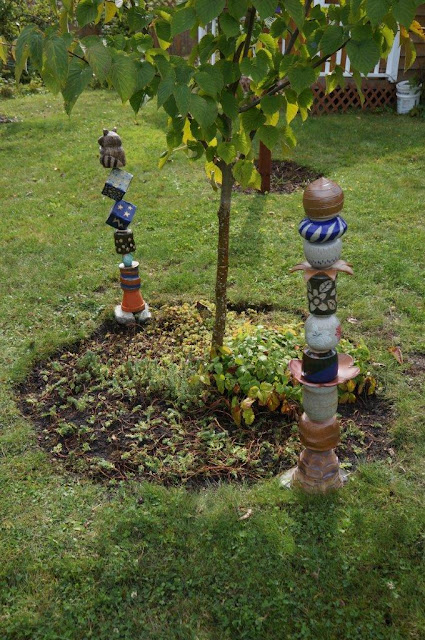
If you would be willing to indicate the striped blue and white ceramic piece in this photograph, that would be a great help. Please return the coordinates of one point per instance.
(322, 231)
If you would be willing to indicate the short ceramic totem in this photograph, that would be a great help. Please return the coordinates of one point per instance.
(321, 368)
(133, 308)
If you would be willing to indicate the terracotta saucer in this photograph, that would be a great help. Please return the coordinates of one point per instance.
(346, 371)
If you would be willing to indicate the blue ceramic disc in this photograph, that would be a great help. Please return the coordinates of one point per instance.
(322, 231)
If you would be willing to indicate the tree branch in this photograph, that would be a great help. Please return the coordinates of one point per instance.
(296, 33)
(282, 85)
(244, 46)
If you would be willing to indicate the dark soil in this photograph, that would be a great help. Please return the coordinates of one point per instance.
(416, 362)
(288, 176)
(96, 428)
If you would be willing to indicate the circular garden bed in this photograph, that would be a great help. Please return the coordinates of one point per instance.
(145, 402)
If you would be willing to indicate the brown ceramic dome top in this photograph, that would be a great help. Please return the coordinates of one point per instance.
(323, 199)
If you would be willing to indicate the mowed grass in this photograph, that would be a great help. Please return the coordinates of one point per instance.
(80, 560)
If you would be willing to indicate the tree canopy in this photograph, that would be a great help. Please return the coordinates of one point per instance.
(211, 113)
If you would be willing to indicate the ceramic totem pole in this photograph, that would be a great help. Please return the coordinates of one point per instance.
(322, 369)
(132, 308)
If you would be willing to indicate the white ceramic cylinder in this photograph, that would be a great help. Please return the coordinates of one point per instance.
(320, 403)
(322, 256)
(322, 333)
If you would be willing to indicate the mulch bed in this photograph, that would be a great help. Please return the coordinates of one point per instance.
(93, 427)
(287, 176)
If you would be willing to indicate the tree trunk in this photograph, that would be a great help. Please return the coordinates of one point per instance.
(265, 167)
(222, 258)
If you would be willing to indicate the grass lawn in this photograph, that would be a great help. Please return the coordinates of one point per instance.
(81, 560)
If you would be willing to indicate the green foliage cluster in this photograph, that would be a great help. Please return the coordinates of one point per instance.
(210, 116)
(252, 371)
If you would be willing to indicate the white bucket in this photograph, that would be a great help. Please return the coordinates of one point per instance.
(408, 97)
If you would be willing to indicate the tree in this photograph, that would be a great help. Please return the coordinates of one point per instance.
(210, 116)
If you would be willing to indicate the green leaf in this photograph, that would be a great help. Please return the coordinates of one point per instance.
(36, 49)
(295, 8)
(163, 31)
(265, 8)
(278, 27)
(4, 53)
(86, 11)
(229, 104)
(207, 10)
(22, 50)
(237, 8)
(243, 170)
(376, 10)
(137, 18)
(332, 40)
(56, 59)
(227, 151)
(248, 416)
(301, 77)
(358, 80)
(79, 76)
(271, 104)
(182, 20)
(145, 74)
(136, 100)
(230, 71)
(204, 110)
(210, 80)
(363, 54)
(182, 97)
(230, 26)
(165, 89)
(268, 135)
(242, 142)
(288, 138)
(252, 119)
(98, 56)
(404, 12)
(206, 46)
(123, 75)
(256, 68)
(268, 41)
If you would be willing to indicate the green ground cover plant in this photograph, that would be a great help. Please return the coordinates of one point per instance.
(84, 560)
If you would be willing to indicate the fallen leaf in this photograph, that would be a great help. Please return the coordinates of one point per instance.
(396, 352)
(246, 515)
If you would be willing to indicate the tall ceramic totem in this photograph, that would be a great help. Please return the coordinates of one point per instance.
(133, 308)
(322, 369)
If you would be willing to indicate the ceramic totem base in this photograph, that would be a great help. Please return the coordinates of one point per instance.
(128, 318)
(316, 472)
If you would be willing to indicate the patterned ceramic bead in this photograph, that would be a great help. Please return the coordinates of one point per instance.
(322, 333)
(322, 231)
(322, 256)
(320, 403)
(122, 213)
(117, 184)
(124, 241)
(321, 295)
(320, 367)
(319, 436)
(323, 199)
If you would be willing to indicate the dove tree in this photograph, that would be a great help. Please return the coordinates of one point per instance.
(211, 118)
